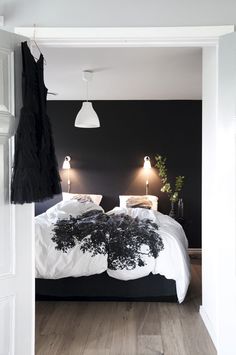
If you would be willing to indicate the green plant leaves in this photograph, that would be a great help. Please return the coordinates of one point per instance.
(162, 171)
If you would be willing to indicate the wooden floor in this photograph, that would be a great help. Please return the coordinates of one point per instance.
(127, 328)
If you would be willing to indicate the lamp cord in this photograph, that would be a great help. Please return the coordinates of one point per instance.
(68, 180)
(147, 187)
(87, 89)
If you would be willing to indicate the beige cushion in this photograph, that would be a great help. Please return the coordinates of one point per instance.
(139, 201)
(151, 198)
(95, 198)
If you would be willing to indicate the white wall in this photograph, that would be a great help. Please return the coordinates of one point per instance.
(218, 308)
(210, 197)
(118, 12)
(226, 158)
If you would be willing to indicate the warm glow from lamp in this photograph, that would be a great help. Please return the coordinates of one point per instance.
(66, 166)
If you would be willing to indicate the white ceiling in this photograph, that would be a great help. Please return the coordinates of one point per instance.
(117, 13)
(124, 73)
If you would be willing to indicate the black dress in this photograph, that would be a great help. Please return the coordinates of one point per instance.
(35, 172)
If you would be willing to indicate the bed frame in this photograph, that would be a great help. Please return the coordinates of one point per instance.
(102, 287)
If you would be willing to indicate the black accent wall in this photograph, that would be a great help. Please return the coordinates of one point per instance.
(109, 160)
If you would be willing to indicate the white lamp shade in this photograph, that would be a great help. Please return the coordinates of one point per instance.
(87, 117)
(66, 163)
(147, 163)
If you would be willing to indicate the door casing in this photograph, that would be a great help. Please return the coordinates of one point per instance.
(208, 39)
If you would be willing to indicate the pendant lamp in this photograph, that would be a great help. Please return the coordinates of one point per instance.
(87, 117)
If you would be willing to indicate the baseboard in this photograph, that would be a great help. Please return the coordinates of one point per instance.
(208, 325)
(195, 251)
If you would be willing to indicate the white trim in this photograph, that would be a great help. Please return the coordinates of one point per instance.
(7, 106)
(6, 124)
(132, 37)
(126, 36)
(11, 299)
(208, 325)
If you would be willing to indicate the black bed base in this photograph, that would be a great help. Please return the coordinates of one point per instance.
(101, 287)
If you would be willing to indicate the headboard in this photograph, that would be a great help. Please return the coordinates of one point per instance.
(41, 207)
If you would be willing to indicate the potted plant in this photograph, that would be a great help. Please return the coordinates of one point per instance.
(173, 192)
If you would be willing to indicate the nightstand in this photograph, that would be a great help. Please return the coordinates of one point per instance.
(185, 223)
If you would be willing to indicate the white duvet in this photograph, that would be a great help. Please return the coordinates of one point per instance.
(172, 262)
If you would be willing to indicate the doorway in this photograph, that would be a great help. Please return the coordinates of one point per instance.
(210, 62)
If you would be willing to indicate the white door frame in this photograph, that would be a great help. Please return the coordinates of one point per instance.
(17, 260)
(126, 36)
(205, 37)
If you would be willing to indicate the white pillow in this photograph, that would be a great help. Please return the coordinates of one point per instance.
(95, 198)
(153, 199)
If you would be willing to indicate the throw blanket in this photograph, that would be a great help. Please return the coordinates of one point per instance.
(125, 240)
(76, 238)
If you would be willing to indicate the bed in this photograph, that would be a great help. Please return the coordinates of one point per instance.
(83, 253)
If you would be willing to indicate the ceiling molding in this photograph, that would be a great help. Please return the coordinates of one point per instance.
(126, 36)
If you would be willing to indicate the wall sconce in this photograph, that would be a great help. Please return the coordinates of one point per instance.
(147, 166)
(66, 166)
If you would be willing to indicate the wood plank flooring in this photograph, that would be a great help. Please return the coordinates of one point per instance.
(124, 328)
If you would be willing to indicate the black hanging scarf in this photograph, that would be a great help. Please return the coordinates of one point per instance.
(35, 175)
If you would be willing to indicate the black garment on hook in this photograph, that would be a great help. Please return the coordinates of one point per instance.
(35, 172)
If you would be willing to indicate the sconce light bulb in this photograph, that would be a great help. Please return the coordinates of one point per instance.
(66, 163)
(147, 163)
